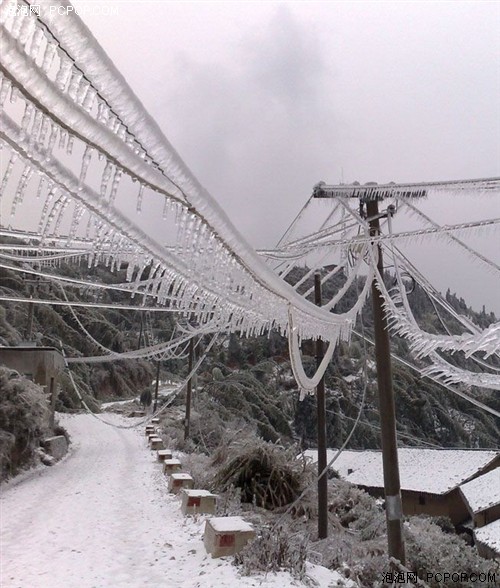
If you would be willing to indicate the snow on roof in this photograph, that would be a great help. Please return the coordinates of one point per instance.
(229, 524)
(489, 535)
(483, 492)
(434, 471)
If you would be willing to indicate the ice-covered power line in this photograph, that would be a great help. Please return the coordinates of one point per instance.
(88, 170)
(63, 99)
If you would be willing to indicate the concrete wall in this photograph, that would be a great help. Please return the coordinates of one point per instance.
(39, 363)
(228, 542)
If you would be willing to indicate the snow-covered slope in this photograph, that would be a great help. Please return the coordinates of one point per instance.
(103, 518)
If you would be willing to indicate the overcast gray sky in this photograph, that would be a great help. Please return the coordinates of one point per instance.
(264, 99)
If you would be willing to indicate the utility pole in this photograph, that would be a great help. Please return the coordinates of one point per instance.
(140, 332)
(157, 384)
(29, 326)
(392, 486)
(187, 418)
(321, 422)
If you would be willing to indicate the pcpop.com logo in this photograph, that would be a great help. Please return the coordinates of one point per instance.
(96, 8)
(103, 9)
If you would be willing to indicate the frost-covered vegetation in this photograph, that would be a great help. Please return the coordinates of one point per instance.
(56, 326)
(280, 499)
(24, 421)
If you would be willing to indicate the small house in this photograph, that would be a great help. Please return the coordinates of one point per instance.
(487, 540)
(482, 498)
(430, 478)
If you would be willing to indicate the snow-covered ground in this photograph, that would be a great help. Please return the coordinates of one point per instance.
(163, 392)
(103, 517)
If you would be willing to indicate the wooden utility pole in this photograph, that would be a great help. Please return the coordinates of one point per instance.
(392, 486)
(321, 422)
(29, 326)
(140, 332)
(187, 419)
(157, 385)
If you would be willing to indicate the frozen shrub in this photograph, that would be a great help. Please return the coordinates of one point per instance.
(268, 475)
(24, 420)
(229, 503)
(173, 436)
(429, 550)
(273, 550)
(198, 465)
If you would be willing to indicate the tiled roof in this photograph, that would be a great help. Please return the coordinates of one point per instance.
(434, 471)
(483, 492)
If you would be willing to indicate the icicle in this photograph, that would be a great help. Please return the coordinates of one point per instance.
(165, 208)
(87, 156)
(27, 30)
(121, 132)
(48, 199)
(102, 113)
(46, 123)
(89, 100)
(48, 56)
(18, 22)
(21, 188)
(139, 198)
(25, 121)
(62, 138)
(75, 221)
(14, 95)
(37, 123)
(114, 123)
(54, 129)
(106, 175)
(4, 90)
(90, 222)
(36, 42)
(7, 173)
(69, 145)
(7, 13)
(82, 91)
(58, 205)
(64, 72)
(74, 84)
(115, 185)
(40, 187)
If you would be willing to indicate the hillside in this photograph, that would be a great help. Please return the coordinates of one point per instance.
(250, 380)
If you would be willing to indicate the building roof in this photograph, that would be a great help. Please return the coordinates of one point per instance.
(482, 492)
(489, 535)
(433, 471)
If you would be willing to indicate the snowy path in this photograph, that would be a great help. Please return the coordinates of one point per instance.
(103, 518)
